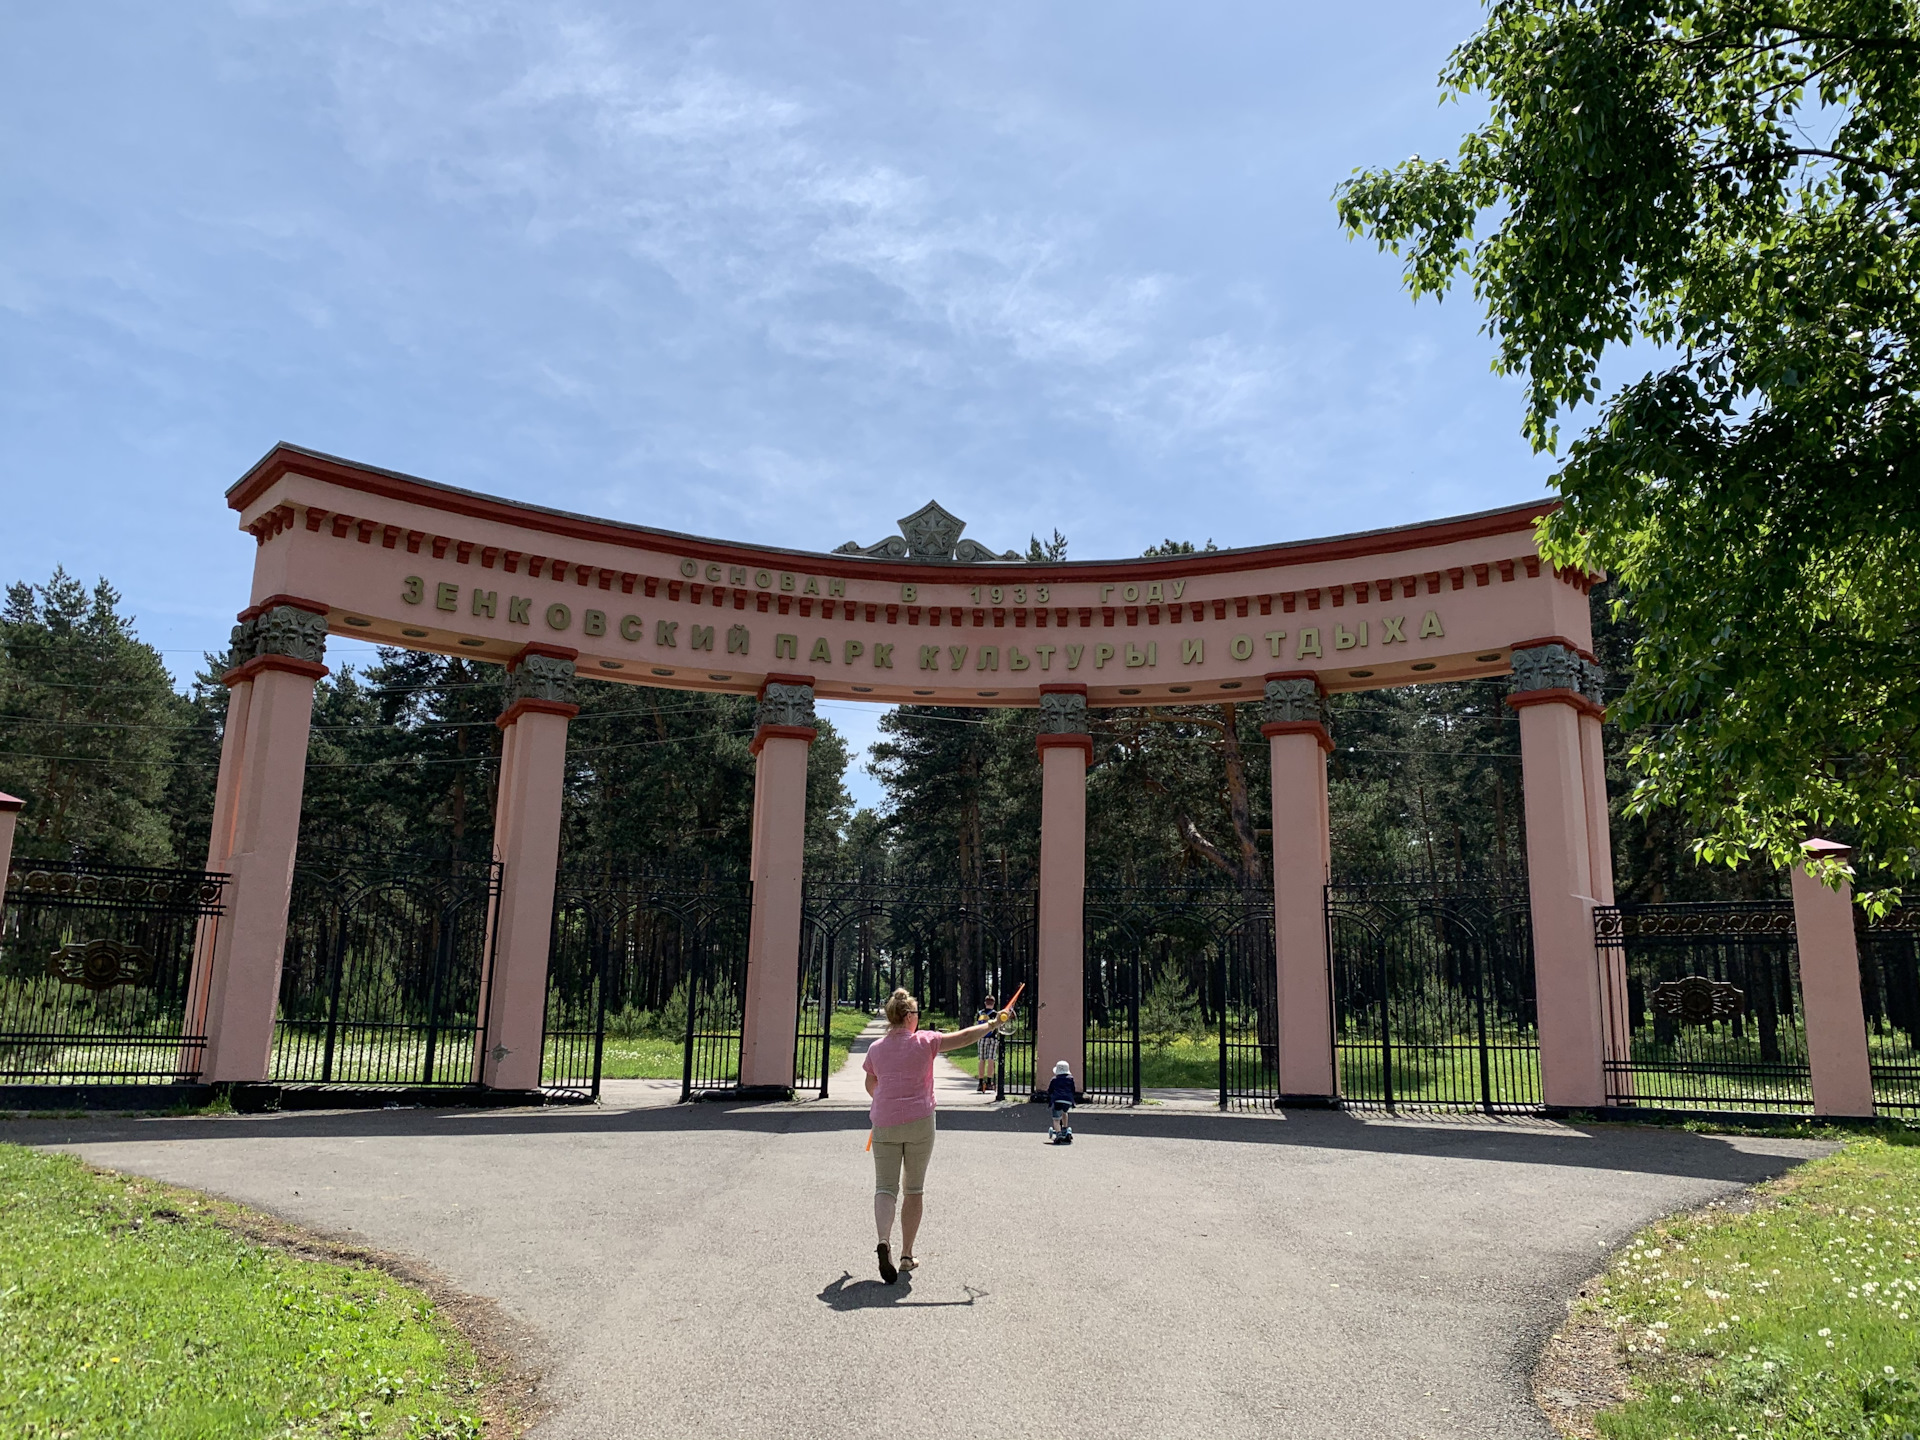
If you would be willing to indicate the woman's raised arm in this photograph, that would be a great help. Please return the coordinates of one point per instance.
(960, 1039)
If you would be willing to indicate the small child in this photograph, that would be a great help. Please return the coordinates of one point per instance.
(1060, 1095)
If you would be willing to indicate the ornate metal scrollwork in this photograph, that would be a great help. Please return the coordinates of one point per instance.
(786, 705)
(1063, 713)
(543, 677)
(100, 964)
(1295, 702)
(931, 533)
(1696, 1000)
(284, 630)
(184, 889)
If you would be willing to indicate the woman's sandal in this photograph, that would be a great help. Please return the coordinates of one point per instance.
(907, 1262)
(887, 1271)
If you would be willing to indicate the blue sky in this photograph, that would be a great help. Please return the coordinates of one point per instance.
(774, 272)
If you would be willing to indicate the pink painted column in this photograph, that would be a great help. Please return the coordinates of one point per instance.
(276, 660)
(10, 808)
(526, 842)
(1593, 767)
(226, 793)
(1060, 1003)
(1550, 681)
(781, 742)
(1830, 989)
(1297, 747)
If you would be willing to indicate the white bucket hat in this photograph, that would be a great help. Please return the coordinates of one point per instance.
(1060, 1067)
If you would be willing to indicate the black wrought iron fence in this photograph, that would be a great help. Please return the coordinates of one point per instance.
(862, 933)
(1433, 994)
(381, 982)
(646, 979)
(1890, 996)
(98, 973)
(1180, 993)
(1703, 1006)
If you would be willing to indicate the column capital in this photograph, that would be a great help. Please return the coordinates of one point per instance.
(786, 711)
(11, 802)
(1554, 671)
(280, 633)
(1063, 720)
(541, 681)
(1296, 704)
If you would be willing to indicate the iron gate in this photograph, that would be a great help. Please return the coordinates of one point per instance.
(1180, 993)
(864, 933)
(1890, 997)
(1433, 994)
(646, 979)
(383, 973)
(98, 973)
(1703, 1006)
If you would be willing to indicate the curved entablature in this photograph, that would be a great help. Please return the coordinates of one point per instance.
(408, 562)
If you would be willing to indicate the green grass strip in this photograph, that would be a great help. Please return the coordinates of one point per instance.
(127, 1309)
(1797, 1318)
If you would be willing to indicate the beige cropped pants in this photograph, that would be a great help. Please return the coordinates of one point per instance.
(909, 1145)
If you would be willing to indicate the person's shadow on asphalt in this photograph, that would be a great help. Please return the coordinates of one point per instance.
(847, 1293)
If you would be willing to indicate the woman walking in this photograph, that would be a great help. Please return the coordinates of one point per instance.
(899, 1068)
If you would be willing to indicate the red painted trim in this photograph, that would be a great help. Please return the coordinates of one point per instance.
(1535, 644)
(780, 732)
(12, 802)
(1273, 675)
(1299, 727)
(531, 706)
(286, 459)
(774, 677)
(312, 607)
(307, 669)
(1083, 743)
(1063, 688)
(1557, 696)
(536, 647)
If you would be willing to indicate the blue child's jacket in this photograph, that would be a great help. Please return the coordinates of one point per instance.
(1060, 1091)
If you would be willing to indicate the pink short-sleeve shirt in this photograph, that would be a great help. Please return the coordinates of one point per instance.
(903, 1064)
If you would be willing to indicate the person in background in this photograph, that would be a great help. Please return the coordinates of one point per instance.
(989, 1046)
(1061, 1096)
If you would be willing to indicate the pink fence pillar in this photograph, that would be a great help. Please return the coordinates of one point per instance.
(1298, 742)
(276, 660)
(526, 842)
(1613, 961)
(1550, 685)
(1830, 989)
(1060, 1005)
(781, 743)
(10, 808)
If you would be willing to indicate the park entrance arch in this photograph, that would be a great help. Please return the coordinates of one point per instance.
(924, 616)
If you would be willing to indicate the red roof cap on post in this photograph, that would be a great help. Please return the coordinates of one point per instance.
(1826, 850)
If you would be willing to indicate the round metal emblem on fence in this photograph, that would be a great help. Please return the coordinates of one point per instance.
(1697, 1000)
(100, 964)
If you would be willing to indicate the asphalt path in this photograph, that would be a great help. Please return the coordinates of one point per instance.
(707, 1270)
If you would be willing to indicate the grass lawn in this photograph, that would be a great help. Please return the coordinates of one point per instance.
(126, 1309)
(1795, 1318)
(658, 1057)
